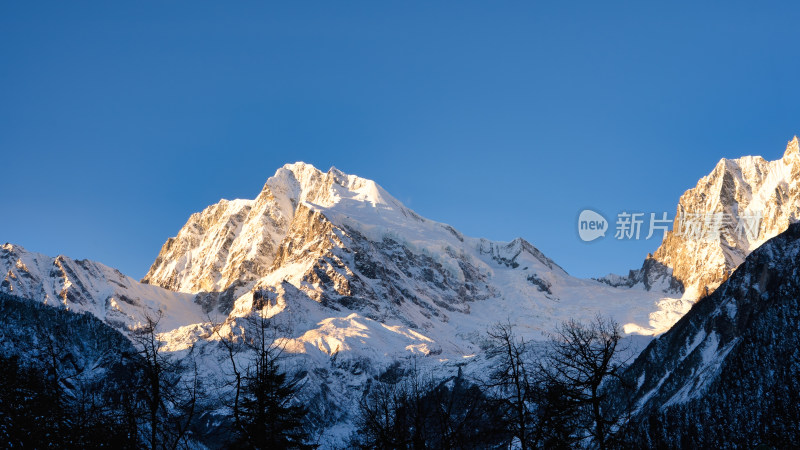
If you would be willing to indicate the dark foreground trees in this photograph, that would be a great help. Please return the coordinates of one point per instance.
(581, 359)
(513, 383)
(71, 381)
(67, 380)
(534, 409)
(26, 402)
(419, 412)
(93, 387)
(168, 388)
(550, 396)
(266, 413)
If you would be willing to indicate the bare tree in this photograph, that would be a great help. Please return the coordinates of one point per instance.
(462, 416)
(418, 411)
(401, 414)
(170, 397)
(380, 420)
(580, 360)
(266, 413)
(512, 381)
(232, 345)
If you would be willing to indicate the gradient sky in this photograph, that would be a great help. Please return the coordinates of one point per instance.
(120, 119)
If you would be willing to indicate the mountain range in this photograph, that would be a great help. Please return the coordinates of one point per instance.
(355, 281)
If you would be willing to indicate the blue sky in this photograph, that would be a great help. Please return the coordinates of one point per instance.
(120, 119)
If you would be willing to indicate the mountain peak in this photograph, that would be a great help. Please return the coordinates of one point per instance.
(290, 230)
(792, 148)
(748, 188)
(299, 166)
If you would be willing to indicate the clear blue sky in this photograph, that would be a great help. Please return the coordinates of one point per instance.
(120, 119)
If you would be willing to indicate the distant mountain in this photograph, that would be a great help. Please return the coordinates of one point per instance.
(88, 349)
(88, 286)
(749, 200)
(728, 373)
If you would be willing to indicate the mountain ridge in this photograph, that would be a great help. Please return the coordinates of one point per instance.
(694, 259)
(734, 351)
(89, 286)
(355, 281)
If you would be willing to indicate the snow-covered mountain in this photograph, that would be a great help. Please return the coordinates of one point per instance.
(745, 187)
(731, 364)
(348, 245)
(87, 286)
(355, 281)
(749, 200)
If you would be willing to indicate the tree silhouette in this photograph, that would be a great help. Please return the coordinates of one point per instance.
(266, 413)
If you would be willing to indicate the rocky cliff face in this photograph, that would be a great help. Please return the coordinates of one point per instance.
(347, 244)
(737, 207)
(238, 241)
